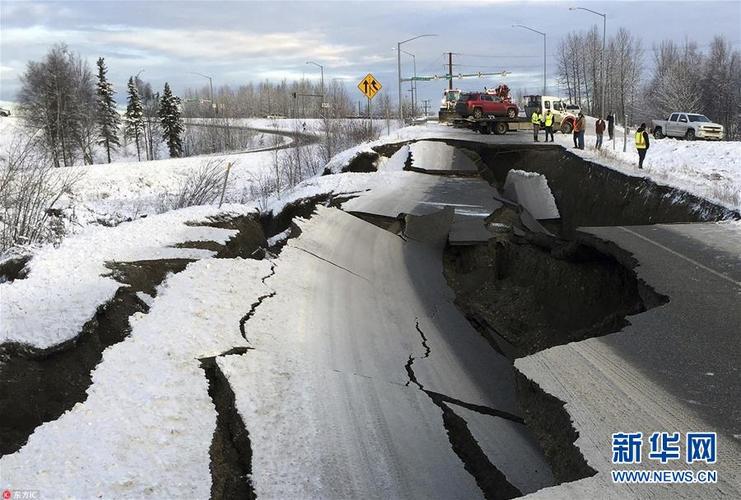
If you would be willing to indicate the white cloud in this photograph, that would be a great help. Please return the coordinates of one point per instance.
(227, 45)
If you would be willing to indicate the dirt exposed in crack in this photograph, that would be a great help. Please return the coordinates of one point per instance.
(550, 423)
(535, 298)
(40, 385)
(248, 243)
(231, 449)
(14, 268)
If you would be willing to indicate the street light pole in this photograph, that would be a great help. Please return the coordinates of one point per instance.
(544, 50)
(413, 82)
(211, 91)
(398, 69)
(321, 68)
(603, 75)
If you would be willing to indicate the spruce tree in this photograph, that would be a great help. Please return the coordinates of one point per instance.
(134, 117)
(172, 124)
(108, 119)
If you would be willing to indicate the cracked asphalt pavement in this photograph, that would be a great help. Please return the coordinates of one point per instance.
(377, 372)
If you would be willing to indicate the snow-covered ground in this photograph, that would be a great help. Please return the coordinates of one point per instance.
(66, 285)
(145, 429)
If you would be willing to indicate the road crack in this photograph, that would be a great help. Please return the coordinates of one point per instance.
(256, 304)
(332, 263)
(492, 482)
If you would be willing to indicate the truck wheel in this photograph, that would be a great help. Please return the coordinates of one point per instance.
(500, 128)
(511, 113)
(658, 134)
(690, 135)
(567, 127)
(477, 113)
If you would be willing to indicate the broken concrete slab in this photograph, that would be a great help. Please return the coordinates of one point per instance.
(435, 157)
(531, 191)
(471, 199)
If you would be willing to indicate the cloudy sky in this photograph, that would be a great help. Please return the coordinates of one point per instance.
(240, 41)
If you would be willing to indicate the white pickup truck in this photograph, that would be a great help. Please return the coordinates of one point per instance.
(691, 126)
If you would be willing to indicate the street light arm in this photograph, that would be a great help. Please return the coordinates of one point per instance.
(201, 74)
(527, 28)
(588, 10)
(418, 36)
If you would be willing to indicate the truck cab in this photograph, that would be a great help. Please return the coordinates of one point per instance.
(563, 119)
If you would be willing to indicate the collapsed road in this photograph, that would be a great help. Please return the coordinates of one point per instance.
(412, 341)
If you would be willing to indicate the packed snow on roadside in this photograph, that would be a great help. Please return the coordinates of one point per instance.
(65, 285)
(146, 427)
(709, 169)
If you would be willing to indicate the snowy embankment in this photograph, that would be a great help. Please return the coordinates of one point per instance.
(709, 169)
(146, 426)
(66, 285)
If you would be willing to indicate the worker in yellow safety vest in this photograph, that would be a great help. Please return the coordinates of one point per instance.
(548, 122)
(535, 120)
(642, 143)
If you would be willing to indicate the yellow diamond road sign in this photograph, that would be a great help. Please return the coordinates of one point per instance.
(369, 86)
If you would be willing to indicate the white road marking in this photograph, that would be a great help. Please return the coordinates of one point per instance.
(681, 256)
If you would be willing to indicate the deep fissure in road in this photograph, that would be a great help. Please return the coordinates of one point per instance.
(231, 450)
(40, 385)
(490, 480)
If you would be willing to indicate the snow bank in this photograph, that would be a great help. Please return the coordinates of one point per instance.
(711, 170)
(147, 424)
(65, 285)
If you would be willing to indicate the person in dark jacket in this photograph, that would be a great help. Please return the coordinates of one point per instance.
(642, 143)
(599, 129)
(611, 125)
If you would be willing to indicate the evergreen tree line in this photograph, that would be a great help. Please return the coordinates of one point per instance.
(61, 100)
(681, 78)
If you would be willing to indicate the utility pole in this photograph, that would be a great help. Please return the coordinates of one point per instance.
(398, 70)
(450, 70)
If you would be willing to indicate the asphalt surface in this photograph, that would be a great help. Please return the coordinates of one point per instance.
(472, 199)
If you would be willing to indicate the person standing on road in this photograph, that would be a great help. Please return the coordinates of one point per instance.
(611, 125)
(535, 120)
(548, 122)
(642, 144)
(599, 129)
(579, 129)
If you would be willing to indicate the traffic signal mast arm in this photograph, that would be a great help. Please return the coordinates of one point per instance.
(448, 76)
